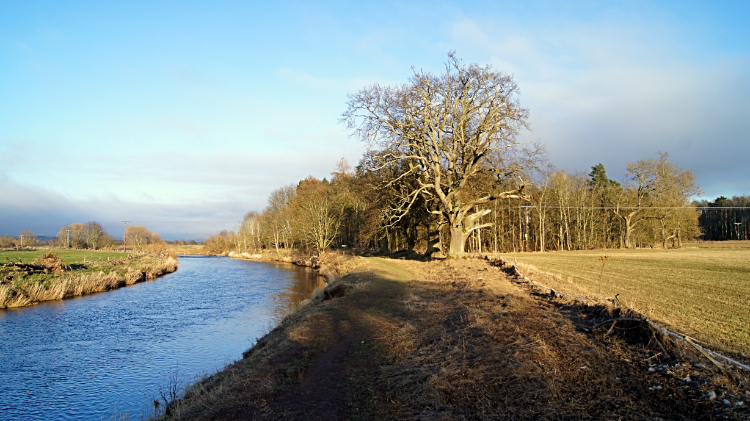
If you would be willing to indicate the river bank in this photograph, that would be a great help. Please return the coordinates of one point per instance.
(328, 265)
(457, 339)
(50, 278)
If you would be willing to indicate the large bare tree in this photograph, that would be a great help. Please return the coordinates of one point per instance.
(444, 128)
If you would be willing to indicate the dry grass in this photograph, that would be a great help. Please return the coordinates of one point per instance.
(704, 292)
(57, 286)
(454, 340)
(472, 346)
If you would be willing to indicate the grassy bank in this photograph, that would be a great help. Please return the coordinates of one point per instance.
(703, 292)
(76, 273)
(455, 340)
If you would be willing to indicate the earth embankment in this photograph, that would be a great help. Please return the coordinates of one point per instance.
(457, 340)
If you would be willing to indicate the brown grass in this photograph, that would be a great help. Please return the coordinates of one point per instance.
(472, 346)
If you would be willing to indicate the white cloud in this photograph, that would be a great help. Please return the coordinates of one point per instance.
(329, 85)
(44, 212)
(614, 92)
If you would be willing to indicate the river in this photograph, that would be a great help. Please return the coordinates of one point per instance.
(108, 355)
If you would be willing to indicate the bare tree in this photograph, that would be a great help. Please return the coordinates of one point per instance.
(318, 213)
(443, 127)
(27, 238)
(7, 241)
(655, 190)
(95, 235)
(278, 215)
(249, 232)
(220, 243)
(73, 235)
(139, 237)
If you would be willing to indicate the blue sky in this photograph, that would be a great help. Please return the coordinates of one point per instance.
(182, 116)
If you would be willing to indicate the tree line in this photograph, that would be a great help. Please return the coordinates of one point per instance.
(94, 236)
(91, 236)
(725, 219)
(445, 172)
(559, 211)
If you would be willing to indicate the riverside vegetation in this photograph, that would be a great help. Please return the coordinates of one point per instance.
(31, 276)
(458, 339)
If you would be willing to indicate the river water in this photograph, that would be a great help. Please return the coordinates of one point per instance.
(108, 355)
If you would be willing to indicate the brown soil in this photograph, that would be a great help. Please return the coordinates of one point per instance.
(459, 340)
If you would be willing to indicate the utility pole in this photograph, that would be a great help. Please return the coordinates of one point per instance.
(124, 241)
(526, 235)
(736, 228)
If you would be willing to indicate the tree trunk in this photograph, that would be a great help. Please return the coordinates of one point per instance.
(458, 240)
(628, 232)
(384, 245)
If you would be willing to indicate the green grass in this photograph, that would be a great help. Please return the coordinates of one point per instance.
(68, 256)
(703, 292)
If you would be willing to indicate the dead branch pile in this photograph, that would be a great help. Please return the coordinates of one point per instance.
(24, 267)
(53, 263)
(48, 263)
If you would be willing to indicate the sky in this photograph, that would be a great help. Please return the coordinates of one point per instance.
(182, 115)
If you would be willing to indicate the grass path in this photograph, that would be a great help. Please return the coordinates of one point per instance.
(338, 385)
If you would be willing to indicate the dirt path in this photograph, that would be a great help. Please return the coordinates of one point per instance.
(457, 340)
(330, 389)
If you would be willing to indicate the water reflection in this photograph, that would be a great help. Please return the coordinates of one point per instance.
(288, 300)
(77, 359)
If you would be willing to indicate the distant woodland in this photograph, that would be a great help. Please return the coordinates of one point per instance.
(92, 236)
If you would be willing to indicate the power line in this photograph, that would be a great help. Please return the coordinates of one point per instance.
(632, 207)
(183, 222)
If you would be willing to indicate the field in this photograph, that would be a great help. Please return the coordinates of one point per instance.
(24, 280)
(702, 290)
(68, 256)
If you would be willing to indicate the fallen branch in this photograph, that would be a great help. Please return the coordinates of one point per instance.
(27, 267)
(629, 319)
